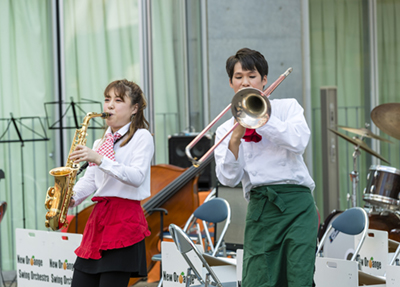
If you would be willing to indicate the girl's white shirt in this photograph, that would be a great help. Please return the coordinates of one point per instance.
(126, 177)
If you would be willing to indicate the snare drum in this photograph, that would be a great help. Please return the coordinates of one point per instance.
(383, 187)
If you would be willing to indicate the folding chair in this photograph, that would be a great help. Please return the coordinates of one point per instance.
(337, 272)
(396, 254)
(353, 221)
(212, 211)
(185, 245)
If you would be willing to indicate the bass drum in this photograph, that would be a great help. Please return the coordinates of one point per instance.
(386, 220)
(329, 219)
(383, 187)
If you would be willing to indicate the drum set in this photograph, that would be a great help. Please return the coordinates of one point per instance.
(382, 191)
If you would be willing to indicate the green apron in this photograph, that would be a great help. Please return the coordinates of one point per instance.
(280, 237)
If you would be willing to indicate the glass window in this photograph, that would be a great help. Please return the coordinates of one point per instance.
(26, 82)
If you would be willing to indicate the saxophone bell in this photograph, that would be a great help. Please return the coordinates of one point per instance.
(56, 196)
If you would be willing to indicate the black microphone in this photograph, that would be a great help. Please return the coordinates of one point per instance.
(82, 168)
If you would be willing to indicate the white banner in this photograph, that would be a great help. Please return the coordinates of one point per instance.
(45, 258)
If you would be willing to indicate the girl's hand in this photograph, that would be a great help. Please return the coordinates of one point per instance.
(83, 153)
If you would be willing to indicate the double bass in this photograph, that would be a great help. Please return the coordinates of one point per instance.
(172, 188)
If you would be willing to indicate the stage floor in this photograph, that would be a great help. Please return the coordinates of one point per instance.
(139, 284)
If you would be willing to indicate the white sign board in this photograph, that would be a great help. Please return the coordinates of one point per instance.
(344, 273)
(335, 272)
(174, 266)
(392, 276)
(45, 258)
(374, 252)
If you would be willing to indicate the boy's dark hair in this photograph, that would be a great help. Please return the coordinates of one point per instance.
(250, 60)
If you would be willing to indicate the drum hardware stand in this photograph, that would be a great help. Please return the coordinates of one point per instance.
(354, 177)
(358, 144)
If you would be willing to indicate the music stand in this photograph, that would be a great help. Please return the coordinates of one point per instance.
(19, 139)
(77, 109)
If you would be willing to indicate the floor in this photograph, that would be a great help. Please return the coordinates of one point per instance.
(10, 280)
(9, 284)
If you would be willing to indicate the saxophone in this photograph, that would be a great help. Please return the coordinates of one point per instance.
(59, 196)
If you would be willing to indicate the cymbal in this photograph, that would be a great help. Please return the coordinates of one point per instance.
(387, 118)
(365, 133)
(359, 143)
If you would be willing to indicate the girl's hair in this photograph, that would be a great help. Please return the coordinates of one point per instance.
(130, 89)
(250, 60)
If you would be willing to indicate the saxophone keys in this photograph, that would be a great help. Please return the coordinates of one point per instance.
(49, 198)
(50, 191)
(48, 217)
(48, 204)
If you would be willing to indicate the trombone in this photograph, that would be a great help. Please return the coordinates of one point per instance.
(251, 109)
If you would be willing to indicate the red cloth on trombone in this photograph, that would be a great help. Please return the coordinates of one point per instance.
(252, 136)
(114, 223)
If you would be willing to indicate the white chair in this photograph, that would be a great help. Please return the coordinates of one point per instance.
(396, 254)
(353, 221)
(212, 211)
(185, 245)
(339, 272)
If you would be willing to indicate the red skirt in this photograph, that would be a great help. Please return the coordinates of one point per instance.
(114, 223)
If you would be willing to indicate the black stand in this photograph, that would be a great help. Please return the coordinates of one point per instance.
(3, 208)
(77, 111)
(13, 121)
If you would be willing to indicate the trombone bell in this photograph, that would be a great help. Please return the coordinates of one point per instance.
(250, 108)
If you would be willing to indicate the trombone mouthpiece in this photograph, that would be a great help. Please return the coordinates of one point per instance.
(105, 115)
(288, 71)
